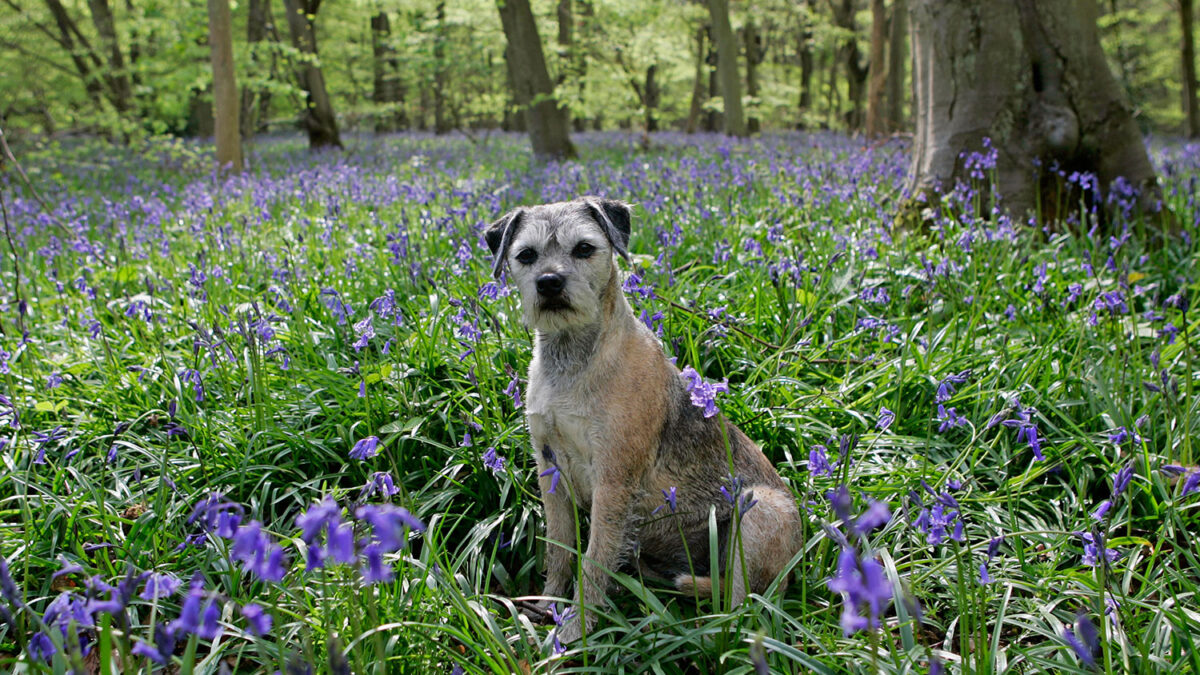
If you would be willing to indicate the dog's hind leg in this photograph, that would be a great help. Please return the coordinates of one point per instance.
(766, 542)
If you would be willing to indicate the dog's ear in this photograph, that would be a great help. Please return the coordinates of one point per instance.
(499, 236)
(613, 217)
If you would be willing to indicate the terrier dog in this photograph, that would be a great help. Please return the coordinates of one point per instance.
(614, 428)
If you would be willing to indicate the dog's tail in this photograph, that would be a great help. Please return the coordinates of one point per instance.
(693, 585)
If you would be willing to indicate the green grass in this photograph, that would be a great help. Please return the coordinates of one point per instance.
(785, 326)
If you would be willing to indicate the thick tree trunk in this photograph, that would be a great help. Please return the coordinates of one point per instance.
(754, 56)
(1041, 91)
(255, 103)
(697, 104)
(318, 118)
(225, 94)
(532, 86)
(1191, 113)
(876, 122)
(441, 124)
(727, 70)
(897, 55)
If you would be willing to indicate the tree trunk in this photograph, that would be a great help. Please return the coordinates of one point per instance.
(727, 70)
(856, 72)
(388, 88)
(117, 76)
(805, 53)
(651, 98)
(1041, 92)
(897, 55)
(712, 119)
(579, 57)
(256, 101)
(533, 88)
(225, 94)
(876, 122)
(441, 124)
(696, 107)
(1191, 112)
(318, 118)
(81, 53)
(754, 56)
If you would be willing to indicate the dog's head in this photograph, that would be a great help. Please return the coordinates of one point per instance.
(561, 257)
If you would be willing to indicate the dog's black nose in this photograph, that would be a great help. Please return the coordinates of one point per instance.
(550, 285)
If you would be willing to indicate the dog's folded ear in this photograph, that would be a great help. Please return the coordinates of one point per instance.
(613, 217)
(499, 236)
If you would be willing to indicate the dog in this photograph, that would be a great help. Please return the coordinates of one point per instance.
(614, 429)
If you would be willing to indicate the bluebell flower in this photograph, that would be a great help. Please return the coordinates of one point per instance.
(381, 482)
(374, 570)
(365, 449)
(703, 393)
(1091, 551)
(1084, 640)
(160, 585)
(555, 475)
(389, 525)
(886, 417)
(863, 586)
(668, 501)
(948, 419)
(818, 462)
(365, 330)
(947, 386)
(257, 619)
(493, 461)
(1121, 480)
(514, 390)
(877, 515)
(41, 647)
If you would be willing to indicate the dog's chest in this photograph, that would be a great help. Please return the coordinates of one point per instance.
(559, 421)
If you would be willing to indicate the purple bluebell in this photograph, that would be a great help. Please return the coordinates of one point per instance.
(41, 647)
(514, 390)
(257, 619)
(703, 393)
(863, 586)
(877, 515)
(1091, 551)
(818, 462)
(160, 585)
(948, 385)
(948, 419)
(886, 417)
(365, 449)
(389, 525)
(493, 461)
(668, 501)
(1084, 640)
(1121, 480)
(555, 475)
(381, 482)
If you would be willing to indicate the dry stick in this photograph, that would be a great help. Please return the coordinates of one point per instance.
(8, 154)
(16, 266)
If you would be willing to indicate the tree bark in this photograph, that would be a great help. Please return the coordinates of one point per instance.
(897, 55)
(581, 43)
(255, 103)
(727, 70)
(1041, 91)
(318, 118)
(87, 63)
(805, 53)
(116, 74)
(387, 87)
(1191, 112)
(712, 119)
(225, 93)
(755, 54)
(856, 72)
(697, 104)
(532, 86)
(441, 124)
(877, 66)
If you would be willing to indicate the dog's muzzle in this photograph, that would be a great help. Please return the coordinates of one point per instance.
(550, 285)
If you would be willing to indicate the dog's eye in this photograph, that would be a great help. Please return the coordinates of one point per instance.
(583, 250)
(527, 256)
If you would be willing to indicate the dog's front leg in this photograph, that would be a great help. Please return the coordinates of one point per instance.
(610, 523)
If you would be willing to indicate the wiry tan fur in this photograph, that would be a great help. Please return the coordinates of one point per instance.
(616, 419)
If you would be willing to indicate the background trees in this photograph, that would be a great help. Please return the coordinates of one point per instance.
(135, 67)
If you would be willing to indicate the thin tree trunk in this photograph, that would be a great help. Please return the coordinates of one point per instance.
(579, 58)
(856, 73)
(727, 70)
(441, 124)
(388, 89)
(876, 122)
(1190, 110)
(252, 115)
(754, 56)
(533, 88)
(80, 51)
(318, 118)
(651, 99)
(897, 55)
(225, 94)
(713, 120)
(1041, 92)
(694, 110)
(116, 74)
(805, 52)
